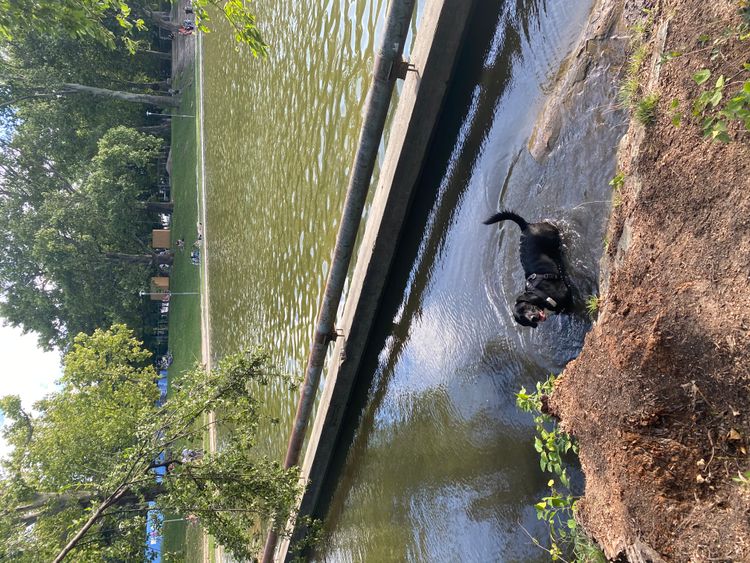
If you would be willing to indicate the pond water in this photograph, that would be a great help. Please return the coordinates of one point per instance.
(437, 464)
(280, 138)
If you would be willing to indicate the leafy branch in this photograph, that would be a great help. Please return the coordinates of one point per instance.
(558, 507)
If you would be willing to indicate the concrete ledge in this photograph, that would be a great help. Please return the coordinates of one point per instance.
(435, 52)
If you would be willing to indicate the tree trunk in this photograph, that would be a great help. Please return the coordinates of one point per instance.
(162, 129)
(163, 55)
(39, 504)
(158, 206)
(48, 504)
(112, 499)
(159, 101)
(148, 493)
(158, 85)
(144, 259)
(168, 25)
(162, 20)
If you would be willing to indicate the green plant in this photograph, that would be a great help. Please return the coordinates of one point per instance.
(642, 28)
(618, 180)
(592, 305)
(616, 199)
(557, 508)
(669, 56)
(744, 28)
(314, 537)
(675, 116)
(630, 86)
(711, 109)
(645, 110)
(714, 117)
(552, 443)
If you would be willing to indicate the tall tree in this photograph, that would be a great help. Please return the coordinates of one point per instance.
(61, 240)
(42, 66)
(83, 467)
(81, 18)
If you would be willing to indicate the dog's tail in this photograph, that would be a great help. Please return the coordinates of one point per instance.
(507, 216)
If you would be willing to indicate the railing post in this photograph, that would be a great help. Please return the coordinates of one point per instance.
(388, 58)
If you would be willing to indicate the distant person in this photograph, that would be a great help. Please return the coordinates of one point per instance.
(189, 456)
(181, 243)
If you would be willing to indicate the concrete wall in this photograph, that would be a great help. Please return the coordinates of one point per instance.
(436, 48)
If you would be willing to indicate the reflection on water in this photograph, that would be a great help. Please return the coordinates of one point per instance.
(281, 136)
(439, 465)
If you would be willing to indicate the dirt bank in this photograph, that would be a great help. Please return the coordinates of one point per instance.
(659, 398)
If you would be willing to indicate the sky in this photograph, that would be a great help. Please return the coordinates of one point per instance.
(27, 370)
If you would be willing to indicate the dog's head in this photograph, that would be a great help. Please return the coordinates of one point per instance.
(528, 314)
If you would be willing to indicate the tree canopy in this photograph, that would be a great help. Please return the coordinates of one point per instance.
(63, 240)
(82, 472)
(75, 183)
(92, 19)
(75, 226)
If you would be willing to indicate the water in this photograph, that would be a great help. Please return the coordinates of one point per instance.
(437, 464)
(280, 139)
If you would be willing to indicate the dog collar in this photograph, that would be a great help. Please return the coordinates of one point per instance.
(534, 277)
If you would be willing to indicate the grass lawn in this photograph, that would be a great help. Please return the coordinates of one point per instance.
(184, 311)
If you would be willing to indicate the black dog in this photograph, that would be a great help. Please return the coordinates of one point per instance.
(541, 258)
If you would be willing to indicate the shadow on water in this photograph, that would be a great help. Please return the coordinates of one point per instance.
(436, 462)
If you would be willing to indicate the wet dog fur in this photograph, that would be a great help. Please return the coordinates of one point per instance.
(541, 258)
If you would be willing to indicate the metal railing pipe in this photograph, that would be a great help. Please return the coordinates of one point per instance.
(387, 60)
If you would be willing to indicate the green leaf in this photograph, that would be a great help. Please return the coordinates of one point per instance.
(564, 479)
(701, 76)
(538, 444)
(715, 98)
(557, 502)
(723, 137)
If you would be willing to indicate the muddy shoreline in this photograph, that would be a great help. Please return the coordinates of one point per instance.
(659, 398)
